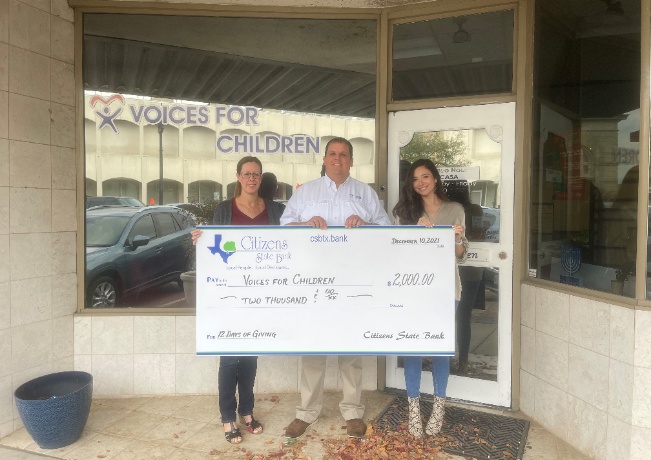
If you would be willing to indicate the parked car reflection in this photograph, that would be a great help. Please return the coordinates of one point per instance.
(130, 249)
(93, 201)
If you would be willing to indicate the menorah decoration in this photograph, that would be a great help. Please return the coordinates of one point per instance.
(571, 263)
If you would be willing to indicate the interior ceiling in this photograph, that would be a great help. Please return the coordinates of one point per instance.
(303, 65)
(314, 66)
(590, 18)
(591, 62)
(124, 66)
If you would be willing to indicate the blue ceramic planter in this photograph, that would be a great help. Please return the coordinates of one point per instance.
(55, 407)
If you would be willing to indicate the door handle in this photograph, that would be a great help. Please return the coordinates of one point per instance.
(503, 255)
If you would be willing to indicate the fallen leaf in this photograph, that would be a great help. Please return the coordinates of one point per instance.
(380, 445)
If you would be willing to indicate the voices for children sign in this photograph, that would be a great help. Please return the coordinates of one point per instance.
(299, 290)
(108, 109)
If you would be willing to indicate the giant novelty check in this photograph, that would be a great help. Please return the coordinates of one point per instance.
(299, 290)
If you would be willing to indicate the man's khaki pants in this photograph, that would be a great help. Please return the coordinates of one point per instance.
(312, 378)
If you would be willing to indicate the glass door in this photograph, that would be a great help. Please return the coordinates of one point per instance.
(474, 149)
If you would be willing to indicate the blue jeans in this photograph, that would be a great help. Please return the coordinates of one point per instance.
(440, 373)
(236, 372)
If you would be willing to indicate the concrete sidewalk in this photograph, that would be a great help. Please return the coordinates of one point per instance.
(189, 428)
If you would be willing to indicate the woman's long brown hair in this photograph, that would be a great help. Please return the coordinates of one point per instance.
(410, 206)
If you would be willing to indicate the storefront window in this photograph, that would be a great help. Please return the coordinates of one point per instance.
(459, 56)
(585, 150)
(168, 116)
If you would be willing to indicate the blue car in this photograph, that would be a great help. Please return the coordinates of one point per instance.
(130, 249)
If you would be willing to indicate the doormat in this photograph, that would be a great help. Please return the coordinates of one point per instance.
(465, 432)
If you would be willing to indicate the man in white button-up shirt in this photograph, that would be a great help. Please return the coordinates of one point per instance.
(339, 200)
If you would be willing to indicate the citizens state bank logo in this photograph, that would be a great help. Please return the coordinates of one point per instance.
(226, 251)
(108, 109)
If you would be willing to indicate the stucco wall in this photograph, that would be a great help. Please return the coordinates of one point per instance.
(38, 222)
(154, 355)
(586, 372)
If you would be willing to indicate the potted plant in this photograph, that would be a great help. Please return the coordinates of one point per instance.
(189, 279)
(622, 275)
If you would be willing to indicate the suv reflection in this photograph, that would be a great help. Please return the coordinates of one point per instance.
(92, 201)
(130, 249)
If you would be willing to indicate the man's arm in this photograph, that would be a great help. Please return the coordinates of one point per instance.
(291, 214)
(380, 216)
(377, 214)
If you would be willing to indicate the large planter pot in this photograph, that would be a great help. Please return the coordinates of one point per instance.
(190, 288)
(617, 287)
(54, 408)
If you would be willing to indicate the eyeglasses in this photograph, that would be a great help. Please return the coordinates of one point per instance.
(248, 175)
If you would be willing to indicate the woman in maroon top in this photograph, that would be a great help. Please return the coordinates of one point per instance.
(238, 372)
(248, 207)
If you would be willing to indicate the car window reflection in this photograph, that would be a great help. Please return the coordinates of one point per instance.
(104, 230)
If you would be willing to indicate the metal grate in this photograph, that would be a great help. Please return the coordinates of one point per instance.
(465, 432)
